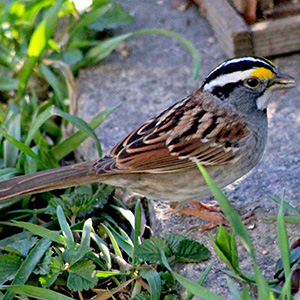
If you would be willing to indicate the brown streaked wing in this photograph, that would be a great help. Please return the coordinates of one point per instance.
(171, 141)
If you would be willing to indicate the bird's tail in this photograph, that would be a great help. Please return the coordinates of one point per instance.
(59, 178)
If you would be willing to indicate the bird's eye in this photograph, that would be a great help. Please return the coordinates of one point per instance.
(252, 82)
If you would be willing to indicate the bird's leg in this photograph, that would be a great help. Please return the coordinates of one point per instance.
(204, 206)
(212, 213)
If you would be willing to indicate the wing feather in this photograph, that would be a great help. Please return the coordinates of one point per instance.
(192, 128)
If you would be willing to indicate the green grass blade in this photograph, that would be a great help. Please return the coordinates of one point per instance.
(22, 147)
(81, 125)
(38, 293)
(104, 249)
(38, 122)
(89, 18)
(126, 213)
(25, 74)
(263, 288)
(286, 205)
(103, 49)
(138, 223)
(123, 240)
(65, 228)
(8, 84)
(57, 84)
(287, 219)
(137, 228)
(154, 282)
(191, 286)
(86, 235)
(113, 241)
(70, 144)
(200, 281)
(9, 173)
(44, 31)
(187, 45)
(38, 43)
(284, 248)
(229, 212)
(10, 151)
(107, 274)
(40, 231)
(240, 229)
(28, 265)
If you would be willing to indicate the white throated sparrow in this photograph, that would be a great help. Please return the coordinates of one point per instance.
(223, 124)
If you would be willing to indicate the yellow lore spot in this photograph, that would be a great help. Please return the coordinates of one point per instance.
(262, 73)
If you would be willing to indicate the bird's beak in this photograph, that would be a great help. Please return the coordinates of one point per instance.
(281, 82)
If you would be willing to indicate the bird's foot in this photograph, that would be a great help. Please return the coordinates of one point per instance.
(211, 212)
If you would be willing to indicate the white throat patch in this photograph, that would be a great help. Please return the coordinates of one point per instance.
(263, 100)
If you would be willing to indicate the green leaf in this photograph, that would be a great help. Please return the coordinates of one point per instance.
(22, 246)
(43, 266)
(44, 31)
(123, 240)
(81, 125)
(191, 286)
(22, 147)
(40, 231)
(81, 276)
(28, 265)
(137, 223)
(263, 288)
(150, 250)
(229, 212)
(9, 265)
(112, 18)
(223, 241)
(108, 274)
(8, 84)
(284, 249)
(10, 151)
(73, 254)
(225, 246)
(186, 44)
(70, 144)
(199, 281)
(65, 228)
(104, 249)
(154, 282)
(88, 18)
(38, 43)
(191, 251)
(104, 48)
(174, 240)
(113, 241)
(86, 235)
(56, 268)
(56, 83)
(38, 293)
(72, 56)
(286, 205)
(9, 173)
(37, 6)
(127, 214)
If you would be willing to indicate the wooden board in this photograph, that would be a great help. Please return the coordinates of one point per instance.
(266, 38)
(230, 29)
(276, 37)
